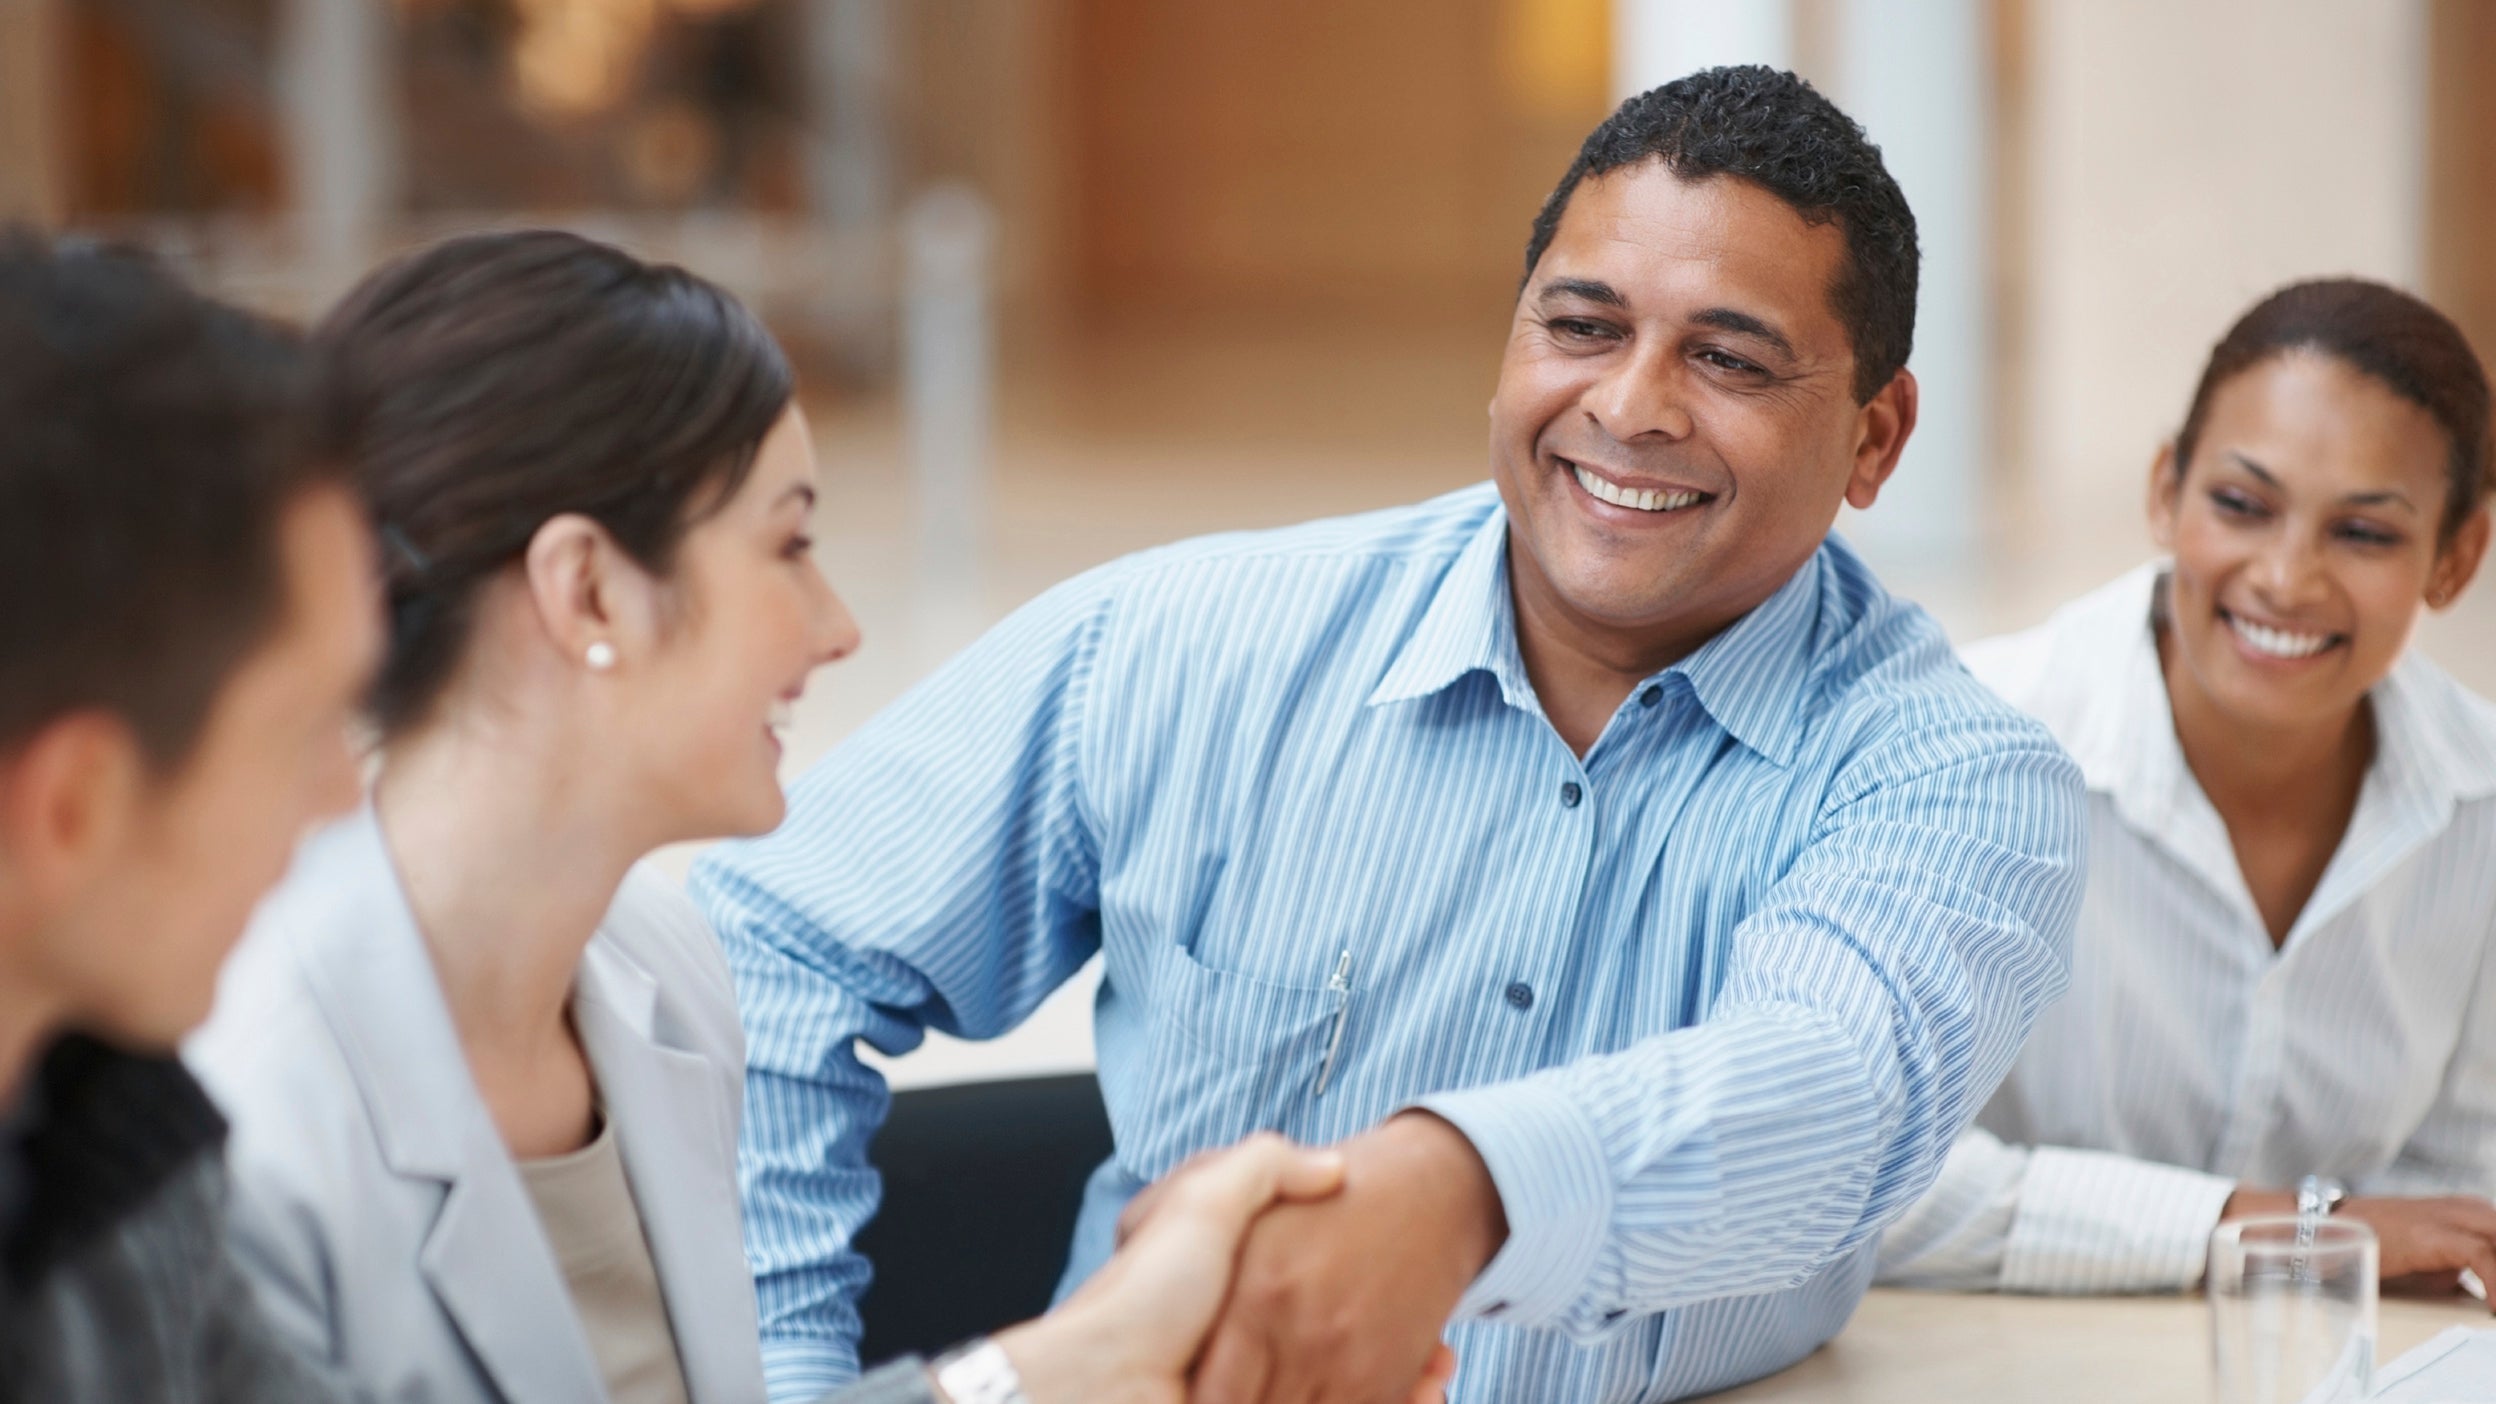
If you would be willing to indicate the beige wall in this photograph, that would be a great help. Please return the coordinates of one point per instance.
(1307, 155)
(30, 186)
(2184, 159)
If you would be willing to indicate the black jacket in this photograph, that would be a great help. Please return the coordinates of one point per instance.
(115, 1284)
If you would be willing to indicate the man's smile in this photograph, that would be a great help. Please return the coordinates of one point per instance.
(1653, 499)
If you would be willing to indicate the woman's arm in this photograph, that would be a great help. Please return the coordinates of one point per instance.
(2049, 1219)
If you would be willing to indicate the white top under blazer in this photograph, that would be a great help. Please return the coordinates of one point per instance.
(2189, 1054)
(376, 1208)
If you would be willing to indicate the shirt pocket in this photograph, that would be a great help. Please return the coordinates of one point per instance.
(1230, 1054)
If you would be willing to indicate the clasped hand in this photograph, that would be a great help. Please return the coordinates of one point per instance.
(1270, 1274)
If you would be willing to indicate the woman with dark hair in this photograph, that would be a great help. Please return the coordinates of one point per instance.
(2283, 997)
(484, 1066)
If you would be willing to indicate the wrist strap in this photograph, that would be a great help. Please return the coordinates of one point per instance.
(2318, 1195)
(978, 1372)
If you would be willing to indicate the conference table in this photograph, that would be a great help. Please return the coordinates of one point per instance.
(1911, 1347)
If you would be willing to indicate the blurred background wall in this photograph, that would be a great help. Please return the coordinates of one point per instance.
(1070, 277)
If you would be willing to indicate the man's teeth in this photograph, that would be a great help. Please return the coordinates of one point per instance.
(782, 712)
(2278, 643)
(1645, 501)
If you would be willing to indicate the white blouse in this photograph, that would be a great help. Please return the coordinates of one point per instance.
(2189, 1053)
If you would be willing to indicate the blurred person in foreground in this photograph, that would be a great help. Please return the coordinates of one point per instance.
(187, 616)
(1641, 897)
(2283, 968)
(484, 1067)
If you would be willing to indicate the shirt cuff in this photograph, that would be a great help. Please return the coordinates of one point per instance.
(801, 1370)
(903, 1381)
(2089, 1221)
(1555, 1184)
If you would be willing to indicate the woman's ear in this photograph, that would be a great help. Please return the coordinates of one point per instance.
(2458, 561)
(2166, 489)
(591, 598)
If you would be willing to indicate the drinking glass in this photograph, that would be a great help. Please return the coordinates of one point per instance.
(2292, 1310)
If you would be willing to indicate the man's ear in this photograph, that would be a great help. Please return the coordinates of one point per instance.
(69, 801)
(2458, 563)
(2166, 488)
(1882, 427)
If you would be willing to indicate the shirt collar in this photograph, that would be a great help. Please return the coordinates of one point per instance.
(1470, 627)
(1749, 678)
(2432, 734)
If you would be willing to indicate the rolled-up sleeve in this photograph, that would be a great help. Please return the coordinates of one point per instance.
(936, 871)
(1871, 1004)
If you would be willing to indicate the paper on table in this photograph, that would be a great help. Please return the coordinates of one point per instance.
(2457, 1367)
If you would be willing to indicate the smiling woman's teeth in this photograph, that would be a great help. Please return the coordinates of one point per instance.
(781, 713)
(2278, 643)
(1654, 501)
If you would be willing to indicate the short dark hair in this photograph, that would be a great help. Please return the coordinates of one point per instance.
(489, 383)
(1776, 131)
(150, 442)
(2400, 341)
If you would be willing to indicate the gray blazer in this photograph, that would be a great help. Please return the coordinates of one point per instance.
(376, 1208)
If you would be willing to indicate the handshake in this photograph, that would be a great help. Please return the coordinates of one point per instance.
(1271, 1272)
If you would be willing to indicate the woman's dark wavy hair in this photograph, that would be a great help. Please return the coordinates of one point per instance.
(1776, 131)
(484, 385)
(2401, 342)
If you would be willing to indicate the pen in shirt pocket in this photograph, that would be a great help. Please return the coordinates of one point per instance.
(1340, 986)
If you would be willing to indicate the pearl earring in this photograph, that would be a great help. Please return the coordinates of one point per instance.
(601, 656)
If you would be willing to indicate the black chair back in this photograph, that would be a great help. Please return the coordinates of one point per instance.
(982, 1184)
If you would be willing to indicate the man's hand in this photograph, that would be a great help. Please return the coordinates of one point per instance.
(1342, 1302)
(2423, 1243)
(1130, 1335)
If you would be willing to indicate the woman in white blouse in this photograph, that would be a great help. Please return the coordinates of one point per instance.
(2282, 978)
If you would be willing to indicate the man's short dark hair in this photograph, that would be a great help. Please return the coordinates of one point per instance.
(150, 440)
(1776, 131)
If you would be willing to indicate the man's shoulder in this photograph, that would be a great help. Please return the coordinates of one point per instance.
(1266, 600)
(1888, 684)
(107, 1315)
(1249, 567)
(152, 1307)
(113, 1133)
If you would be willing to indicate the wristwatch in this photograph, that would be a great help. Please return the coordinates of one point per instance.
(2318, 1195)
(978, 1372)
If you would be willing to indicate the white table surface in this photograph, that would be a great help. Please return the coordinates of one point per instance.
(1910, 1347)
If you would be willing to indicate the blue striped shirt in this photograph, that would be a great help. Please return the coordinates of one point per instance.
(1711, 1002)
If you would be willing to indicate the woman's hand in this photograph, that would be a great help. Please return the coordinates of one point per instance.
(1132, 1333)
(2426, 1243)
(2423, 1243)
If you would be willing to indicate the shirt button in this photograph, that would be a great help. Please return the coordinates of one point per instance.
(1651, 696)
(1521, 994)
(1570, 794)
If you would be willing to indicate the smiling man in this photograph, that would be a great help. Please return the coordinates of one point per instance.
(1642, 896)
